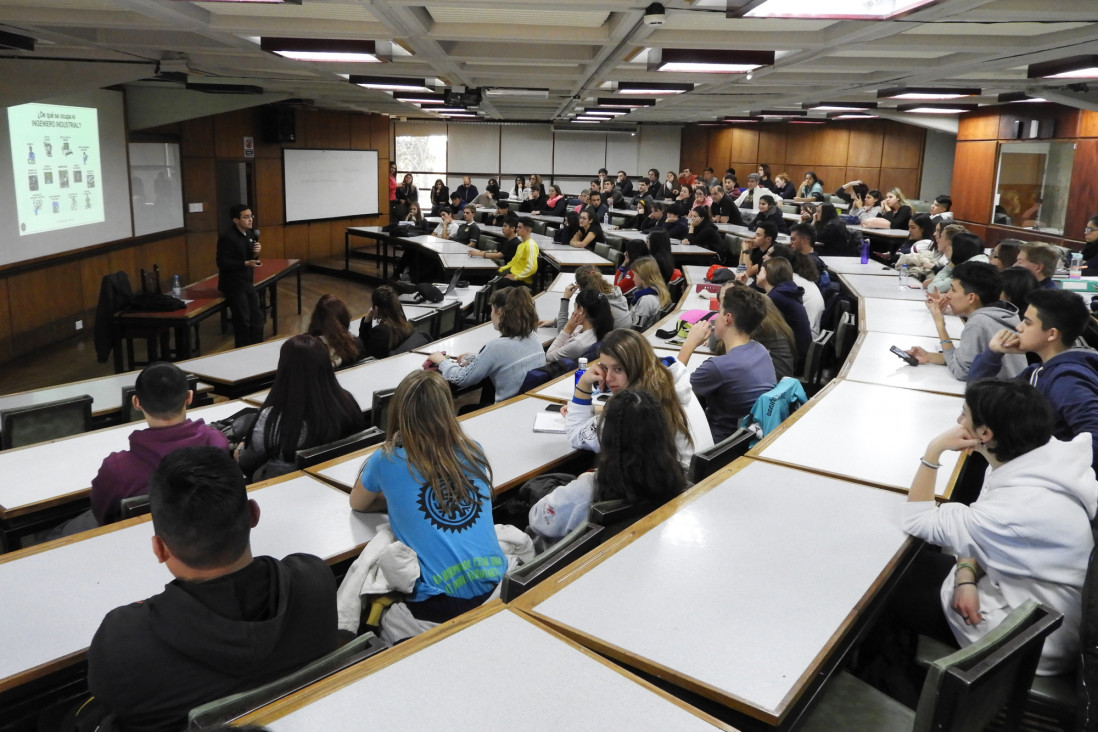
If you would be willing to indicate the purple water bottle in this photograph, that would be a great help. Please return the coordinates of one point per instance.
(865, 250)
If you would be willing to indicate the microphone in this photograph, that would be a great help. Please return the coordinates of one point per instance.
(253, 237)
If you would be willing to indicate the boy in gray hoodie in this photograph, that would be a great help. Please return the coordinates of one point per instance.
(973, 294)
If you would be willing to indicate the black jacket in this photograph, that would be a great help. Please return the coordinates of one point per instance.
(233, 249)
(114, 294)
(151, 662)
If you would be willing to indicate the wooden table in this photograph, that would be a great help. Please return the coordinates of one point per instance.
(866, 432)
(56, 594)
(871, 362)
(745, 590)
(902, 317)
(202, 300)
(505, 433)
(469, 670)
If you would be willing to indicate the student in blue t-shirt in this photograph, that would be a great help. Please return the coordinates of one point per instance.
(436, 485)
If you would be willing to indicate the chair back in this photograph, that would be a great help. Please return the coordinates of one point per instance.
(813, 362)
(708, 461)
(220, 712)
(615, 242)
(573, 545)
(619, 514)
(135, 506)
(602, 249)
(150, 281)
(447, 319)
(43, 422)
(966, 690)
(540, 226)
(322, 453)
(486, 242)
(411, 343)
(619, 221)
(615, 256)
(772, 408)
(735, 246)
(845, 335)
(425, 323)
(677, 288)
(379, 408)
(667, 309)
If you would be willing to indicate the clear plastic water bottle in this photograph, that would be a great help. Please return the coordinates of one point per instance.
(865, 250)
(903, 277)
(1075, 269)
(177, 287)
(582, 368)
(606, 219)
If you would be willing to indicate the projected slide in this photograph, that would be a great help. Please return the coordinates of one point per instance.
(56, 165)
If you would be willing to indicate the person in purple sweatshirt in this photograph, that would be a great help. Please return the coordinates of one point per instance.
(161, 393)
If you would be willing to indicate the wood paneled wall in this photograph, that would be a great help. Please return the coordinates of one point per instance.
(40, 304)
(979, 137)
(882, 153)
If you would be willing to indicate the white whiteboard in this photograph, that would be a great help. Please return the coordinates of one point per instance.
(472, 149)
(525, 149)
(329, 184)
(579, 153)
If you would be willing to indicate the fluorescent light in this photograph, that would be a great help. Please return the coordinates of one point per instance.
(808, 121)
(500, 91)
(644, 88)
(390, 83)
(778, 113)
(449, 110)
(413, 98)
(707, 61)
(927, 93)
(1016, 97)
(326, 56)
(1074, 67)
(832, 9)
(839, 106)
(854, 115)
(937, 108)
(614, 111)
(586, 121)
(740, 120)
(469, 115)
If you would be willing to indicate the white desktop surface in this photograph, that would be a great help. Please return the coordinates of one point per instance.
(106, 393)
(767, 567)
(573, 257)
(854, 266)
(238, 364)
(54, 600)
(874, 363)
(501, 674)
(905, 318)
(866, 432)
(50, 470)
(884, 287)
(564, 279)
(506, 434)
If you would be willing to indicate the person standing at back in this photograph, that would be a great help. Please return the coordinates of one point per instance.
(237, 259)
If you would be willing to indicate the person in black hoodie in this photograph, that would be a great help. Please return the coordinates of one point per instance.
(705, 233)
(673, 222)
(237, 259)
(228, 622)
(776, 279)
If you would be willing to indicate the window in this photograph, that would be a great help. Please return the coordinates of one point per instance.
(424, 156)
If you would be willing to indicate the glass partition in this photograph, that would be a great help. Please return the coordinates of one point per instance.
(1032, 184)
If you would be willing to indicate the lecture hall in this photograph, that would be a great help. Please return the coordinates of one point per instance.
(676, 365)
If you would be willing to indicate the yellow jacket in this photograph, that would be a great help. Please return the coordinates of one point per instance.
(525, 262)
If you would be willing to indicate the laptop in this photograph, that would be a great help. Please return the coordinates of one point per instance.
(417, 298)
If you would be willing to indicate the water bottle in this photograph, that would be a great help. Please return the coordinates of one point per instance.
(903, 277)
(865, 250)
(177, 287)
(582, 368)
(1075, 270)
(606, 219)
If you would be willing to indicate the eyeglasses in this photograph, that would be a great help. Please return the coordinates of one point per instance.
(1090, 229)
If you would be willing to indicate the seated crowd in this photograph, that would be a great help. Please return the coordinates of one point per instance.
(230, 621)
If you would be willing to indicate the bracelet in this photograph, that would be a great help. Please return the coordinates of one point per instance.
(929, 464)
(967, 565)
(961, 584)
(583, 391)
(948, 340)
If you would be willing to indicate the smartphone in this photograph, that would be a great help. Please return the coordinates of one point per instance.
(911, 360)
(554, 407)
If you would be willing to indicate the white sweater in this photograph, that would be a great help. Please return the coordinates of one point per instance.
(1030, 532)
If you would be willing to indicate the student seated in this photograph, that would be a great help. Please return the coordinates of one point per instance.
(436, 486)
(638, 462)
(805, 275)
(1018, 282)
(1027, 536)
(306, 407)
(506, 359)
(330, 322)
(673, 222)
(161, 393)
(705, 233)
(1005, 254)
(588, 324)
(650, 295)
(1067, 374)
(588, 277)
(626, 360)
(1090, 247)
(974, 295)
(502, 211)
(468, 232)
(1042, 260)
(659, 248)
(956, 245)
(447, 228)
(384, 329)
(731, 383)
(751, 256)
(523, 264)
(589, 232)
(624, 277)
(940, 208)
(227, 623)
(776, 280)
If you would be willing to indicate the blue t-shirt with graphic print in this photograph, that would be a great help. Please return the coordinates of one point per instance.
(459, 554)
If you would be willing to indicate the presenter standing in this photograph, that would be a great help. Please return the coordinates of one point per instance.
(237, 258)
